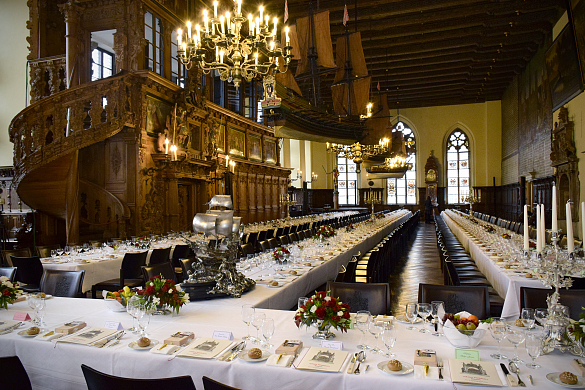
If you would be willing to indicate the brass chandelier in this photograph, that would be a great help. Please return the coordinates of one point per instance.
(358, 152)
(235, 50)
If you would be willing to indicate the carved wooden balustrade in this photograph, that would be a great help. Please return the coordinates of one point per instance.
(47, 77)
(72, 119)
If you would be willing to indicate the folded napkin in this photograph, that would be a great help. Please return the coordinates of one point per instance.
(48, 336)
(433, 374)
(284, 361)
(168, 350)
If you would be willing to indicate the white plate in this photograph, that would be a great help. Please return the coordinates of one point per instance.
(280, 284)
(244, 356)
(403, 320)
(554, 378)
(133, 345)
(407, 368)
(24, 334)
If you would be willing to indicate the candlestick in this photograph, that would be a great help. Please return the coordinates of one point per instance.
(570, 237)
(554, 208)
(538, 227)
(526, 234)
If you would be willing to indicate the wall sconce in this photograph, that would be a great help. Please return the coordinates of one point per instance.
(313, 177)
(299, 176)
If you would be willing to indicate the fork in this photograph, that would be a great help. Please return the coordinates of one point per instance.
(440, 366)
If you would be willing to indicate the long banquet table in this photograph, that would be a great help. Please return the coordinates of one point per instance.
(261, 295)
(507, 285)
(57, 366)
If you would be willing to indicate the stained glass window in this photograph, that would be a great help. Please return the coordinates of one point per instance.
(403, 190)
(347, 181)
(153, 33)
(458, 186)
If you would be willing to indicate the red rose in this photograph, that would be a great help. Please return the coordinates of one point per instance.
(165, 288)
(345, 305)
(320, 313)
(346, 315)
(6, 293)
(321, 294)
(149, 290)
(335, 318)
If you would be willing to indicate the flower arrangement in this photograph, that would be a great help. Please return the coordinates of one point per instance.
(488, 228)
(506, 236)
(324, 310)
(279, 253)
(380, 215)
(123, 295)
(577, 330)
(9, 292)
(160, 291)
(349, 227)
(324, 231)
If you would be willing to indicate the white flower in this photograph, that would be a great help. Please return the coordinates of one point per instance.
(339, 313)
(170, 290)
(327, 299)
(178, 287)
(4, 279)
(156, 300)
(186, 298)
(313, 309)
(8, 284)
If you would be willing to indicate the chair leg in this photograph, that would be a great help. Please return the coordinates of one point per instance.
(93, 292)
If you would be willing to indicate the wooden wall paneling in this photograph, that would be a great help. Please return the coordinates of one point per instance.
(243, 194)
(252, 190)
(260, 203)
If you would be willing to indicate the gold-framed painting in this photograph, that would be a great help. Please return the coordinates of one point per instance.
(157, 113)
(196, 135)
(269, 151)
(220, 140)
(236, 139)
(254, 147)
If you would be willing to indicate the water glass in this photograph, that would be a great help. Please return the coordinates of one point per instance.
(132, 308)
(247, 315)
(424, 310)
(257, 321)
(516, 337)
(267, 332)
(528, 317)
(498, 330)
(438, 311)
(362, 322)
(534, 344)
(540, 315)
(143, 315)
(389, 339)
(302, 301)
(410, 315)
(376, 328)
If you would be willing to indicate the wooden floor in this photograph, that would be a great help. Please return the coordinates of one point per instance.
(419, 264)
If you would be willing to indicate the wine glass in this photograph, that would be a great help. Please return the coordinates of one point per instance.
(33, 306)
(132, 308)
(540, 315)
(302, 301)
(438, 311)
(267, 332)
(247, 315)
(423, 310)
(528, 317)
(362, 322)
(516, 337)
(389, 339)
(143, 315)
(40, 305)
(498, 331)
(534, 343)
(375, 328)
(410, 315)
(257, 321)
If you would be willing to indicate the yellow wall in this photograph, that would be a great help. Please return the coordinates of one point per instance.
(12, 69)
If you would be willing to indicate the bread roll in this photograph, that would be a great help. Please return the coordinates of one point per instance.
(394, 365)
(568, 378)
(519, 323)
(143, 342)
(255, 353)
(33, 330)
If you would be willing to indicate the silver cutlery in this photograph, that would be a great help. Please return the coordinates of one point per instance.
(101, 343)
(531, 380)
(11, 328)
(516, 370)
(360, 358)
(241, 346)
(351, 364)
(228, 353)
(440, 367)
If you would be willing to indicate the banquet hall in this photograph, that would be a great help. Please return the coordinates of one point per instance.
(258, 152)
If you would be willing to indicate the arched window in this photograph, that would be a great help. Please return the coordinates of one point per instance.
(403, 190)
(457, 167)
(347, 181)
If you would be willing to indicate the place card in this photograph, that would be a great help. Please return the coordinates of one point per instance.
(21, 316)
(113, 325)
(222, 335)
(337, 345)
(467, 354)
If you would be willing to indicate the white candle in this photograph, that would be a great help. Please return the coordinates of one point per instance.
(526, 234)
(543, 222)
(215, 9)
(206, 21)
(570, 238)
(538, 227)
(554, 208)
(261, 12)
(189, 29)
(166, 146)
(287, 38)
(221, 19)
(239, 7)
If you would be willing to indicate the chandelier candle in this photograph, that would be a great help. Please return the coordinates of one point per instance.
(554, 208)
(570, 238)
(526, 235)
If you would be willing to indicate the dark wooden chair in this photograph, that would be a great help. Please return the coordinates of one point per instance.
(374, 297)
(130, 274)
(283, 240)
(535, 298)
(96, 380)
(60, 283)
(45, 251)
(9, 272)
(474, 299)
(29, 272)
(164, 269)
(210, 384)
(272, 243)
(264, 245)
(15, 376)
(160, 255)
(24, 252)
(247, 249)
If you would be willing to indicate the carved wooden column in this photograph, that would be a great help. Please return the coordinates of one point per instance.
(73, 38)
(72, 202)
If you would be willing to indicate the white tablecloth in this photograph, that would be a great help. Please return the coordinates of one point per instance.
(506, 285)
(58, 367)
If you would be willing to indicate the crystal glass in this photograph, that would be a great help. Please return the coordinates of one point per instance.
(267, 332)
(410, 315)
(438, 311)
(143, 315)
(499, 331)
(528, 317)
(257, 321)
(32, 304)
(540, 315)
(516, 337)
(132, 307)
(375, 328)
(40, 305)
(247, 315)
(389, 339)
(302, 301)
(424, 310)
(534, 343)
(362, 322)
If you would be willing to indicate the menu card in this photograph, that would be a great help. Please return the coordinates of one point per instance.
(323, 359)
(88, 336)
(205, 348)
(471, 372)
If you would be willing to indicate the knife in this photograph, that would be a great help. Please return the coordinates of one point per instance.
(226, 354)
(511, 380)
(351, 364)
(236, 352)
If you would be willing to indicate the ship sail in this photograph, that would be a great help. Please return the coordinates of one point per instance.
(320, 38)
